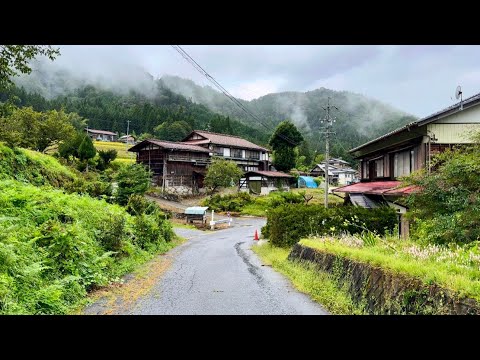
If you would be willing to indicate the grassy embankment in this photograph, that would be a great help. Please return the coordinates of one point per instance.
(456, 268)
(56, 247)
(319, 286)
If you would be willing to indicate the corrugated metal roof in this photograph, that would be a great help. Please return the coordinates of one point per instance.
(270, 173)
(224, 139)
(196, 210)
(374, 187)
(378, 188)
(426, 120)
(171, 145)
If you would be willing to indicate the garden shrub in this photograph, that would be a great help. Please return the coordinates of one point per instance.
(287, 224)
(234, 202)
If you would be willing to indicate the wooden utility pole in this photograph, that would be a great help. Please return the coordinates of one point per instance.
(328, 125)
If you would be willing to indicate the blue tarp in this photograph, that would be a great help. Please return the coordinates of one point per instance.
(306, 181)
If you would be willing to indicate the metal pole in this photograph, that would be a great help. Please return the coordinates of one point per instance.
(327, 155)
(328, 120)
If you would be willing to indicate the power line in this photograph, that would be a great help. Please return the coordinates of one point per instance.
(224, 91)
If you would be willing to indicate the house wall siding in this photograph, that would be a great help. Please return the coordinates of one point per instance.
(449, 133)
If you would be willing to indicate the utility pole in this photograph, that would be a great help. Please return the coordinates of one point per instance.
(126, 140)
(328, 125)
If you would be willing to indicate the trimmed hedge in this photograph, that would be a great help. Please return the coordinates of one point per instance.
(287, 224)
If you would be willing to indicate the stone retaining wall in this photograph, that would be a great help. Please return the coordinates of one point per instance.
(381, 291)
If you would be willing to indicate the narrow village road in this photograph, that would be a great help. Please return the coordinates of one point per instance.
(217, 273)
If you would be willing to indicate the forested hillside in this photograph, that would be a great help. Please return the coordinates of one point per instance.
(170, 107)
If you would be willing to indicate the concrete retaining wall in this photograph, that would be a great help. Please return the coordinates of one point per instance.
(383, 292)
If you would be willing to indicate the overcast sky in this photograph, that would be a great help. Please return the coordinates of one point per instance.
(417, 79)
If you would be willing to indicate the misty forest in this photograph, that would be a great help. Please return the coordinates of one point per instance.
(170, 107)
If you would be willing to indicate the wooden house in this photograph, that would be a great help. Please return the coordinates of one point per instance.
(102, 135)
(177, 166)
(247, 155)
(400, 152)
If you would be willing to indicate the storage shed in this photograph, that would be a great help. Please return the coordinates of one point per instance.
(196, 213)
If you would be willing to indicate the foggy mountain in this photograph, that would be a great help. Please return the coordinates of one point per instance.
(370, 117)
(358, 119)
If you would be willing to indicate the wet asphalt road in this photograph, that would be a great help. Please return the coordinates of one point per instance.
(216, 273)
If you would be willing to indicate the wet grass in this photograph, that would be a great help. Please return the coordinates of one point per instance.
(455, 269)
(318, 285)
(122, 295)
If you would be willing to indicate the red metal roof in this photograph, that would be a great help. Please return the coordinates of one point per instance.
(374, 187)
(224, 139)
(402, 191)
(171, 145)
(269, 173)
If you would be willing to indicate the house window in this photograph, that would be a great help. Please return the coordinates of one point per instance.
(365, 169)
(404, 163)
(236, 153)
(218, 151)
(379, 168)
(249, 154)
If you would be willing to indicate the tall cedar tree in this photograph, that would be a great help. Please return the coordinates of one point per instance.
(283, 142)
(86, 150)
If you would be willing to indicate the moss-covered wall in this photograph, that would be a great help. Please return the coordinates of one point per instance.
(380, 291)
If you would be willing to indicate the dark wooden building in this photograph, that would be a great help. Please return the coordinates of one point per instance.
(247, 155)
(177, 166)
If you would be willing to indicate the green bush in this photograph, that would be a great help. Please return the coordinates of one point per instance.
(54, 247)
(132, 179)
(276, 199)
(287, 224)
(234, 202)
(138, 204)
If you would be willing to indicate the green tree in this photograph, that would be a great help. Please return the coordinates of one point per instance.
(69, 148)
(175, 131)
(446, 209)
(283, 142)
(20, 128)
(106, 157)
(54, 127)
(222, 173)
(14, 59)
(86, 150)
(132, 179)
(28, 128)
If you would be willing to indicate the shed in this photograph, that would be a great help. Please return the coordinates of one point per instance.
(307, 181)
(263, 182)
(196, 213)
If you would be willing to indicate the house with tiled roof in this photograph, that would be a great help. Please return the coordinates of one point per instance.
(181, 166)
(174, 165)
(101, 135)
(247, 155)
(384, 160)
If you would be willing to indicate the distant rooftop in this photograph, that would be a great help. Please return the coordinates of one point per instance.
(171, 145)
(222, 139)
(104, 132)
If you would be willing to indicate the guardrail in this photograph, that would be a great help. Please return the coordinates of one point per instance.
(222, 221)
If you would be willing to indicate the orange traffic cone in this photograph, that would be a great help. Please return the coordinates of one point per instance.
(256, 236)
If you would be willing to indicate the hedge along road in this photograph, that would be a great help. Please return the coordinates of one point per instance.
(217, 273)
